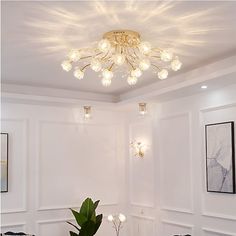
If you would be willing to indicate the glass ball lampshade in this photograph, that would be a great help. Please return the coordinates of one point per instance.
(119, 59)
(107, 74)
(106, 82)
(145, 47)
(163, 74)
(104, 45)
(66, 65)
(96, 65)
(122, 217)
(176, 64)
(110, 218)
(166, 55)
(79, 74)
(144, 64)
(136, 73)
(132, 80)
(74, 55)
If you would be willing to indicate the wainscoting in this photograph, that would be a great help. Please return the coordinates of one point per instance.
(56, 159)
(174, 196)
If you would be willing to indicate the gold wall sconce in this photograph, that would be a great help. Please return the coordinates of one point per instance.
(139, 148)
(142, 108)
(87, 112)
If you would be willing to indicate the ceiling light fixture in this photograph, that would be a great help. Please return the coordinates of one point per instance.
(121, 48)
(203, 87)
(142, 108)
(87, 112)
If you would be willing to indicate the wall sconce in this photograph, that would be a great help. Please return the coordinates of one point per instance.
(139, 148)
(142, 108)
(87, 112)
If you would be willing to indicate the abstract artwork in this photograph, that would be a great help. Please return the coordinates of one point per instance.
(4, 162)
(220, 159)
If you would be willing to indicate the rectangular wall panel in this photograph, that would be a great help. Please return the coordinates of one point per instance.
(75, 163)
(142, 169)
(175, 161)
(142, 226)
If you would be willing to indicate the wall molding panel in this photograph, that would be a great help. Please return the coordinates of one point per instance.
(53, 208)
(217, 232)
(140, 205)
(178, 224)
(215, 108)
(219, 216)
(13, 225)
(144, 217)
(179, 210)
(163, 206)
(80, 126)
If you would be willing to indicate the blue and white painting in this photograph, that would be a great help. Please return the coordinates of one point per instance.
(4, 162)
(220, 157)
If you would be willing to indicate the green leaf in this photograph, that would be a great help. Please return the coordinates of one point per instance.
(87, 208)
(80, 219)
(95, 204)
(88, 229)
(72, 225)
(73, 233)
(98, 222)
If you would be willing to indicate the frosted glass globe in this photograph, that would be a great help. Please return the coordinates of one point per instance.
(106, 82)
(66, 65)
(119, 59)
(136, 73)
(166, 56)
(107, 74)
(110, 218)
(132, 80)
(79, 74)
(163, 74)
(74, 55)
(144, 64)
(104, 45)
(96, 65)
(122, 217)
(145, 47)
(176, 65)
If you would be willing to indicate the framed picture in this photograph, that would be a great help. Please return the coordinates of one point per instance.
(4, 162)
(220, 157)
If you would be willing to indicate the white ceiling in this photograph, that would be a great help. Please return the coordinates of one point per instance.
(37, 35)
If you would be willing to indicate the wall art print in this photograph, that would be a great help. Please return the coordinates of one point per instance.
(220, 157)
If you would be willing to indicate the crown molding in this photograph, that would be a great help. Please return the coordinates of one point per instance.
(22, 93)
(209, 72)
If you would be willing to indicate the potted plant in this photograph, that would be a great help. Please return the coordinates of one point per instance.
(87, 220)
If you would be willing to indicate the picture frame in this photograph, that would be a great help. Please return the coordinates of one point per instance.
(4, 162)
(220, 157)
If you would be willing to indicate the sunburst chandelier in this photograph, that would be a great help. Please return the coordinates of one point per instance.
(121, 48)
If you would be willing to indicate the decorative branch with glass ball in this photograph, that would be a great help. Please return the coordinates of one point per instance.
(117, 221)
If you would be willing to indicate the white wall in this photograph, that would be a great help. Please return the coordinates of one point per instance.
(56, 159)
(172, 199)
(53, 153)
